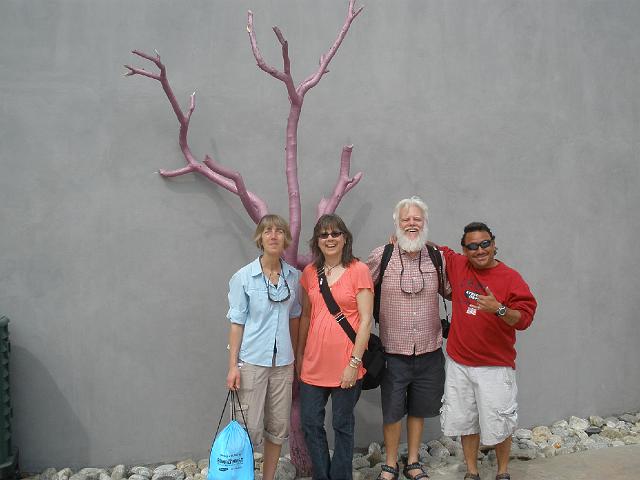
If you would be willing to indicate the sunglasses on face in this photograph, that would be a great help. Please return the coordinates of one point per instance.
(475, 245)
(325, 235)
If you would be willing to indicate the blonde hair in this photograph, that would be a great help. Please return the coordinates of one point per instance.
(268, 221)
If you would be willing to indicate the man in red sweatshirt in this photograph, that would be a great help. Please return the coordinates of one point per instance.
(490, 302)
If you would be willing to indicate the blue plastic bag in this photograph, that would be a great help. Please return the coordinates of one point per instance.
(231, 453)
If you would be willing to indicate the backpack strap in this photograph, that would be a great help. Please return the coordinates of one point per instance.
(436, 258)
(384, 261)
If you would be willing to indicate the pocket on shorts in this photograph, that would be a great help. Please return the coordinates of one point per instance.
(247, 378)
(509, 413)
(289, 374)
(444, 410)
(243, 415)
(509, 418)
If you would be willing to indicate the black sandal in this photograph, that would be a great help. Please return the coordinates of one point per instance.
(388, 469)
(503, 476)
(414, 466)
(472, 476)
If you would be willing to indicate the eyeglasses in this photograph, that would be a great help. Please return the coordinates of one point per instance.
(325, 235)
(269, 286)
(411, 291)
(476, 245)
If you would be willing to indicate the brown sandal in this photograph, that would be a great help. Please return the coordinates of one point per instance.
(471, 476)
(388, 469)
(414, 466)
(503, 476)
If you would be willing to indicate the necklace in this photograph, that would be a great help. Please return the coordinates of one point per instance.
(269, 273)
(328, 268)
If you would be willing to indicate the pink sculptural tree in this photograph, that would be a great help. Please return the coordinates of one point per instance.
(231, 179)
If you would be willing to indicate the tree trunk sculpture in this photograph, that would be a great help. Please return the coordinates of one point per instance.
(232, 180)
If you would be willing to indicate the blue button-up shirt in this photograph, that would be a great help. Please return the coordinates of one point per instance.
(266, 323)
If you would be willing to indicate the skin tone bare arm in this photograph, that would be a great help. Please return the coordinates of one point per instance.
(294, 328)
(488, 303)
(235, 339)
(364, 299)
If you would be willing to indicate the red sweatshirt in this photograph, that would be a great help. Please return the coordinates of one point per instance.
(482, 339)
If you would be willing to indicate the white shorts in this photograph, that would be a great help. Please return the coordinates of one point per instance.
(479, 400)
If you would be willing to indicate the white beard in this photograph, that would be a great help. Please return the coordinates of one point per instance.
(409, 245)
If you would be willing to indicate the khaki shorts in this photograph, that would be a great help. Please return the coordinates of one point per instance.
(479, 400)
(265, 396)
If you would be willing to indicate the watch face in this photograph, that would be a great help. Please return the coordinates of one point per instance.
(502, 311)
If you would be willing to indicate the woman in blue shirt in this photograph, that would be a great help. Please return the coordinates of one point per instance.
(264, 311)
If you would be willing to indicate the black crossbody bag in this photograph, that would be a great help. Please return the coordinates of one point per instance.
(436, 258)
(373, 357)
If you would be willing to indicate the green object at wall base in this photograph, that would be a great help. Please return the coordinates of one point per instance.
(9, 469)
(8, 456)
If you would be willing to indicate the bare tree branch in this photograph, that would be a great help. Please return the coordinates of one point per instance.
(296, 98)
(313, 80)
(344, 183)
(254, 205)
(299, 454)
(213, 171)
(274, 72)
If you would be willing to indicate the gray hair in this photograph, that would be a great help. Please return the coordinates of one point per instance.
(408, 202)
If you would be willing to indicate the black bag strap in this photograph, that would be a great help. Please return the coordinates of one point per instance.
(384, 261)
(233, 395)
(436, 258)
(332, 305)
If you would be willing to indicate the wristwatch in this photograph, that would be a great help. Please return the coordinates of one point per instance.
(502, 311)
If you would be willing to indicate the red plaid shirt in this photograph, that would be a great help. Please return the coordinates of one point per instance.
(409, 322)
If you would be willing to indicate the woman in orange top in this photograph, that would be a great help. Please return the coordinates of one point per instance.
(328, 362)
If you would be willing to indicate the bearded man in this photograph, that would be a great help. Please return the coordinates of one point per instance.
(411, 332)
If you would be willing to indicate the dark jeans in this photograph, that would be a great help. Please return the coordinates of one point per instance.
(312, 410)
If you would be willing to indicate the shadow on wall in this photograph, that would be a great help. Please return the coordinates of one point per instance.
(31, 380)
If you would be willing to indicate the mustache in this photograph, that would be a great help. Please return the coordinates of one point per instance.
(412, 245)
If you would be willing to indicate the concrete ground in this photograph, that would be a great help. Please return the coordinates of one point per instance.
(617, 463)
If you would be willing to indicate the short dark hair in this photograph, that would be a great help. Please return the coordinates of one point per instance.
(331, 221)
(476, 227)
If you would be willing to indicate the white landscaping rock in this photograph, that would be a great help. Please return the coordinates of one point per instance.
(142, 471)
(523, 434)
(541, 434)
(136, 476)
(596, 421)
(578, 424)
(360, 462)
(167, 467)
(65, 473)
(168, 475)
(118, 472)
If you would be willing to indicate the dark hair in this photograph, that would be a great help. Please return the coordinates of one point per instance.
(476, 227)
(330, 222)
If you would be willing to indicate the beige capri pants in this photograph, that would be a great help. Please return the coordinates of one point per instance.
(265, 396)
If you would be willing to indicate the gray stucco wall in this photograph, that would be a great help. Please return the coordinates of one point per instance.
(522, 114)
